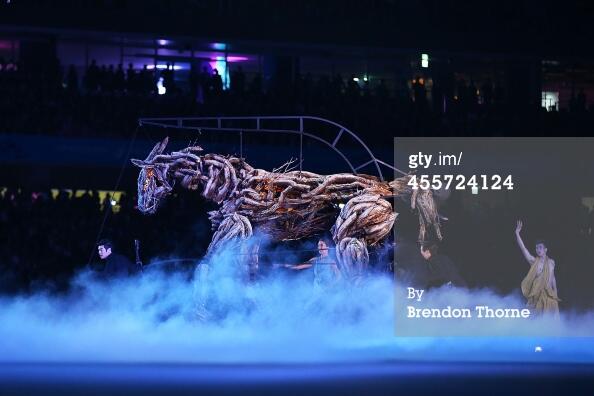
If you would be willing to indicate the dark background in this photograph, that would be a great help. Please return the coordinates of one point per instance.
(69, 113)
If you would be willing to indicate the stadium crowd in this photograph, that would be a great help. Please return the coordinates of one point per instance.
(46, 238)
(108, 100)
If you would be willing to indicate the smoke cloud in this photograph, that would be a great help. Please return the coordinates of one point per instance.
(280, 318)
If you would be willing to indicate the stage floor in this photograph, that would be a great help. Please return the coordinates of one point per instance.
(401, 378)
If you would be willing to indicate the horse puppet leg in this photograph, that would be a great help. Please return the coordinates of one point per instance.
(228, 243)
(364, 221)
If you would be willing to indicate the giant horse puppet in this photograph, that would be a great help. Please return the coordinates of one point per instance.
(285, 204)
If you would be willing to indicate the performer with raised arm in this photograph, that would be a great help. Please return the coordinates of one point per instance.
(539, 286)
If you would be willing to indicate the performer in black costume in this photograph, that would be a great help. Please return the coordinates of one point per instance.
(116, 265)
(425, 268)
(441, 270)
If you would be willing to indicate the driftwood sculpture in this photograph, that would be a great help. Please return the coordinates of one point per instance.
(285, 204)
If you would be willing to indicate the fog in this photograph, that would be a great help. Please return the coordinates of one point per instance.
(279, 318)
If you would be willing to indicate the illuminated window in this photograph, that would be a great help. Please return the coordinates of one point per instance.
(160, 87)
(425, 60)
(550, 100)
(220, 64)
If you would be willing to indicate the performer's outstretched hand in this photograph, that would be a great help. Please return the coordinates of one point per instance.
(519, 226)
(525, 251)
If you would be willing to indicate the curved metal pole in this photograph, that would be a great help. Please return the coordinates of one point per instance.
(264, 130)
(161, 122)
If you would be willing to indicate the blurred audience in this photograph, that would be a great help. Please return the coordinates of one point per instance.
(108, 100)
(45, 239)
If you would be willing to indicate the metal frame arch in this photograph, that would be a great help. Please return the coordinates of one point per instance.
(182, 123)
